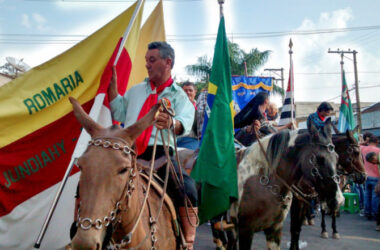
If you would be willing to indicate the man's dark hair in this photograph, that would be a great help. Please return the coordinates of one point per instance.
(166, 51)
(369, 156)
(373, 139)
(189, 84)
(367, 135)
(325, 106)
(261, 97)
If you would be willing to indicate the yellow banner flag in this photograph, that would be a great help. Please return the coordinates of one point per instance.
(153, 30)
(40, 96)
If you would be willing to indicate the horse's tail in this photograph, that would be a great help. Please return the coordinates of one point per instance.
(278, 144)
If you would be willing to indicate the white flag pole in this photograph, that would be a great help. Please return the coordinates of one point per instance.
(84, 136)
(127, 31)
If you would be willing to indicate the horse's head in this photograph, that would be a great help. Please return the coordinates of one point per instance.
(350, 159)
(106, 180)
(317, 159)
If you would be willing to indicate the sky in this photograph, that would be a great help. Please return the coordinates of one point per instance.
(38, 30)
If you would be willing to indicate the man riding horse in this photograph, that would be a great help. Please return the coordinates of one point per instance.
(137, 102)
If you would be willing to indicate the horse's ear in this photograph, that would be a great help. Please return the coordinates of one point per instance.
(84, 119)
(327, 128)
(138, 127)
(356, 129)
(313, 131)
(350, 136)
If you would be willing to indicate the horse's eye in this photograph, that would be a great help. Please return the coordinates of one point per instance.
(122, 171)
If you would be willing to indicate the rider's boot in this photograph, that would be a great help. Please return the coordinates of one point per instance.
(189, 221)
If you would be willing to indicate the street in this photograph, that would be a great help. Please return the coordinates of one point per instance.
(356, 233)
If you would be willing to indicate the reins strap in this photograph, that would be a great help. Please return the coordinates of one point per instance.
(128, 237)
(187, 200)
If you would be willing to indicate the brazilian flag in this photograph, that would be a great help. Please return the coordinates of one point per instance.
(216, 163)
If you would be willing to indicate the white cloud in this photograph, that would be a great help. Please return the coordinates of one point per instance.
(310, 56)
(25, 21)
(39, 21)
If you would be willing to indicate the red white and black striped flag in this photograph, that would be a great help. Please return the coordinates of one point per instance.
(288, 112)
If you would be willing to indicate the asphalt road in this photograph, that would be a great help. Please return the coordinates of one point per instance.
(356, 233)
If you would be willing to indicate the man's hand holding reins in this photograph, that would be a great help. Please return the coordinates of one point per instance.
(164, 121)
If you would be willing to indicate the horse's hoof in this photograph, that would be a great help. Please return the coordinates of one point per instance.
(305, 222)
(324, 235)
(219, 244)
(311, 222)
(336, 236)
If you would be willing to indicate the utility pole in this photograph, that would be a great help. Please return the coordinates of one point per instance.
(278, 79)
(353, 52)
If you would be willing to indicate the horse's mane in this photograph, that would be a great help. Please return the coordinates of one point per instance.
(254, 159)
(278, 144)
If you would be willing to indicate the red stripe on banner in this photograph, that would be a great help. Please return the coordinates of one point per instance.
(37, 161)
(123, 69)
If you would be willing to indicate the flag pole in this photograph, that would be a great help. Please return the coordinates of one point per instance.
(93, 114)
(55, 202)
(127, 31)
(291, 82)
(221, 2)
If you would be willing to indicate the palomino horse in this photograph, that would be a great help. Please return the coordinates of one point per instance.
(112, 191)
(267, 179)
(350, 164)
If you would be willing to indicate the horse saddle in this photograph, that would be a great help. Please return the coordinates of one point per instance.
(158, 163)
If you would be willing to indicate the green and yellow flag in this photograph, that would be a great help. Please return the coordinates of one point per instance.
(216, 164)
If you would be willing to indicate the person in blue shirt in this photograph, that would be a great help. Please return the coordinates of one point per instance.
(318, 118)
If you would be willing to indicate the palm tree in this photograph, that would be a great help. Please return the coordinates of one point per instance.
(202, 69)
(239, 59)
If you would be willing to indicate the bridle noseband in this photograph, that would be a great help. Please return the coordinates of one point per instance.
(127, 150)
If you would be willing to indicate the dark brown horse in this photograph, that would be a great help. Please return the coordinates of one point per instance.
(112, 192)
(350, 164)
(266, 180)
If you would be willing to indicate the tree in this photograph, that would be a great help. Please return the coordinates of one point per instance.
(202, 69)
(253, 60)
(239, 59)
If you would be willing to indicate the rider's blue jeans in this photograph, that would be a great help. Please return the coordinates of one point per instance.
(371, 199)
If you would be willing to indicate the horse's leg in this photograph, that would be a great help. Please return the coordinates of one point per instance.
(333, 225)
(245, 238)
(297, 215)
(232, 240)
(324, 233)
(233, 236)
(218, 237)
(273, 236)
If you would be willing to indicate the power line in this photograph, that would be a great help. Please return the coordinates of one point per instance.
(102, 1)
(204, 37)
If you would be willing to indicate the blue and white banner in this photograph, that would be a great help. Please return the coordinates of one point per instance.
(245, 88)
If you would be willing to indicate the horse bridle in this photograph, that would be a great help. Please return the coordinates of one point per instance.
(313, 161)
(88, 223)
(350, 151)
